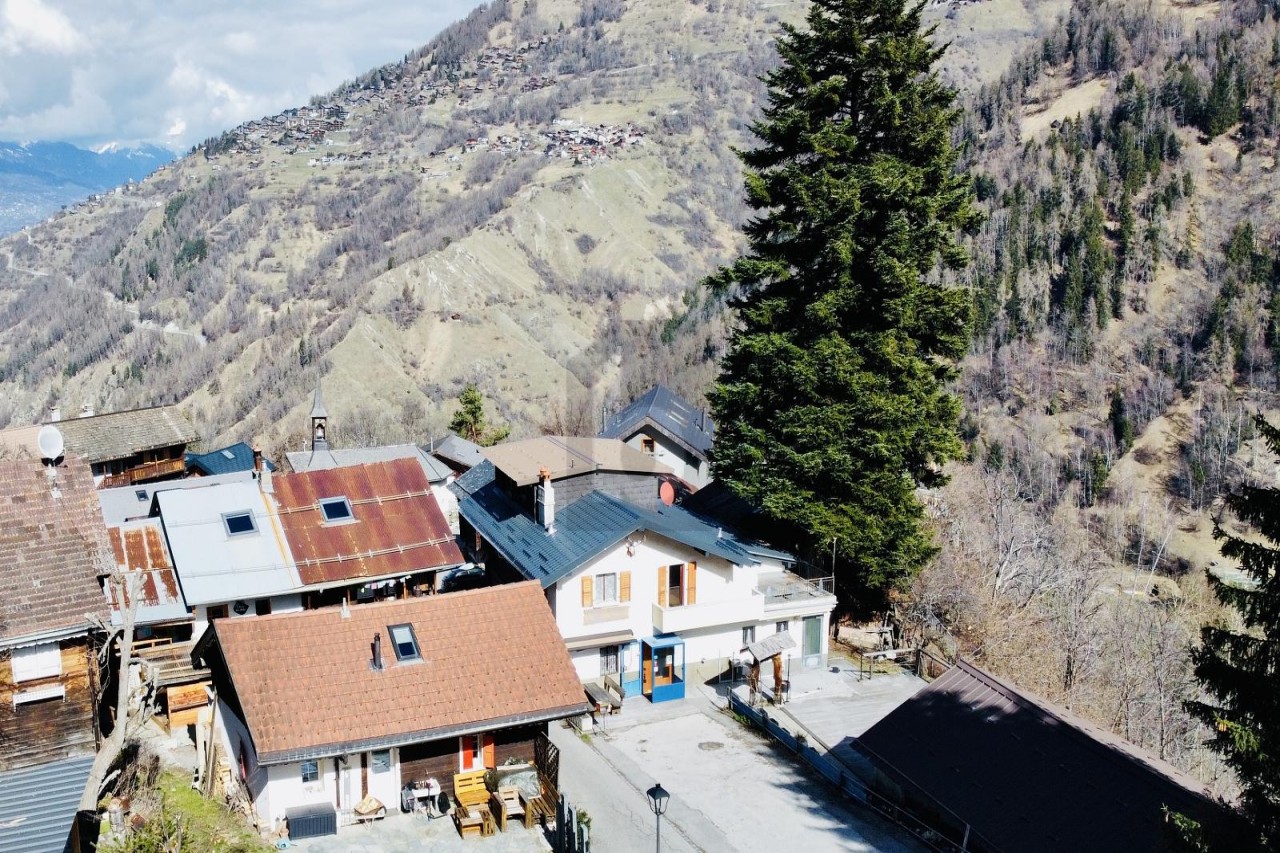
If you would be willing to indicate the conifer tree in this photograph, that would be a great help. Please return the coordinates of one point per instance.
(1240, 669)
(831, 404)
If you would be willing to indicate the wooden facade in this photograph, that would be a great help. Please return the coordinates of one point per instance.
(441, 759)
(49, 729)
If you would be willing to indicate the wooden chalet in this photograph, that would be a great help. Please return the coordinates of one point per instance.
(53, 555)
(136, 446)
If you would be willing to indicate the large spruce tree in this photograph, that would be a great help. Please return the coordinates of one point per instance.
(1240, 669)
(831, 404)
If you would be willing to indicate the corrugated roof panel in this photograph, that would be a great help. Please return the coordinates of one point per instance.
(38, 804)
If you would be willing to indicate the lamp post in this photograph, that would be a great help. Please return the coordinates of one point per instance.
(658, 797)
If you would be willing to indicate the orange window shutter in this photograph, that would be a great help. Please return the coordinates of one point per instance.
(624, 587)
(490, 753)
(691, 583)
(662, 586)
(586, 592)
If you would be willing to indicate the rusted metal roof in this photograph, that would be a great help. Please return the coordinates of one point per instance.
(139, 546)
(396, 526)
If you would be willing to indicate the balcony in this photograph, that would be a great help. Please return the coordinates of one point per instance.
(689, 617)
(146, 471)
(787, 591)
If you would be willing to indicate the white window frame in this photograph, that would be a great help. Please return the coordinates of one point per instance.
(748, 634)
(40, 694)
(783, 627)
(243, 513)
(336, 500)
(302, 771)
(374, 761)
(598, 597)
(33, 662)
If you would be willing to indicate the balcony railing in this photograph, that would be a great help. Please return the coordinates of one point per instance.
(144, 472)
(688, 617)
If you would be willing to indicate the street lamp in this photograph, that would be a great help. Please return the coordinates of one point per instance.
(658, 797)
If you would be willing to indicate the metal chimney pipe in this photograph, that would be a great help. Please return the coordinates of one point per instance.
(377, 652)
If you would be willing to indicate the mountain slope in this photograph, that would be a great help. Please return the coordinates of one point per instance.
(38, 178)
(526, 203)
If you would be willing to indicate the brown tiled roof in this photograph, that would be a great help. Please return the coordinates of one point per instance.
(398, 525)
(139, 546)
(306, 687)
(119, 435)
(53, 547)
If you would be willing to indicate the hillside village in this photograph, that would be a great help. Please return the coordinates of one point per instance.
(388, 635)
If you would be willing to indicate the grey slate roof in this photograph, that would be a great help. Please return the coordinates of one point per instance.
(457, 451)
(584, 529)
(119, 435)
(1027, 775)
(38, 804)
(671, 414)
(304, 460)
(225, 460)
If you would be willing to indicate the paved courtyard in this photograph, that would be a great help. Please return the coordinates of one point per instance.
(730, 788)
(411, 833)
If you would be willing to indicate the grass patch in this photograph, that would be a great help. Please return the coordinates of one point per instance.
(178, 815)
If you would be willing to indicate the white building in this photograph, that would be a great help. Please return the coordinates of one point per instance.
(641, 590)
(664, 425)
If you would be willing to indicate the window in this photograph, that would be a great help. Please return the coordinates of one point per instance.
(677, 585)
(404, 642)
(32, 662)
(239, 523)
(748, 634)
(40, 694)
(310, 771)
(140, 494)
(647, 445)
(217, 611)
(609, 660)
(336, 510)
(783, 626)
(606, 588)
(262, 607)
(381, 761)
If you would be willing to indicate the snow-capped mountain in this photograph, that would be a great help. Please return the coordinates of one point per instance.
(37, 178)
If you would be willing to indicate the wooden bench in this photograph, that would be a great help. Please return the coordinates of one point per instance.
(471, 814)
(607, 696)
(505, 803)
(538, 809)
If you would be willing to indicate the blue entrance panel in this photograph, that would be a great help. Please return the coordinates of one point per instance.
(662, 668)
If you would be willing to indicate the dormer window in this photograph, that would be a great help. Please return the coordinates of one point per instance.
(239, 523)
(404, 642)
(336, 510)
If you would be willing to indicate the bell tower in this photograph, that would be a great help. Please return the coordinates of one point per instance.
(319, 423)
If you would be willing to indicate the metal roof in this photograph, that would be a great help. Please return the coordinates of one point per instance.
(226, 460)
(317, 404)
(568, 456)
(583, 529)
(396, 526)
(214, 567)
(1027, 775)
(671, 414)
(139, 546)
(126, 503)
(304, 460)
(38, 804)
(119, 435)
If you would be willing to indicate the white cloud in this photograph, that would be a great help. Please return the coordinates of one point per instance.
(29, 25)
(177, 72)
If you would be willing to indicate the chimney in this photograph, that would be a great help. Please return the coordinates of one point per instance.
(86, 411)
(376, 664)
(545, 500)
(346, 611)
(257, 459)
(55, 414)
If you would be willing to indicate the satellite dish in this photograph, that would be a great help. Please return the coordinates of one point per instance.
(49, 440)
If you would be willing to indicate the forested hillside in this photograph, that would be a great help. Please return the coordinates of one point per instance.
(526, 203)
(1126, 286)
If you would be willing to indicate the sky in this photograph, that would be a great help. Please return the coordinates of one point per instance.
(175, 72)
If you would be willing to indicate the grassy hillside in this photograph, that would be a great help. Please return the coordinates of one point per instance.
(457, 216)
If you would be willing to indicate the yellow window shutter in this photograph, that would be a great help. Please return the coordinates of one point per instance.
(691, 583)
(586, 591)
(624, 586)
(662, 586)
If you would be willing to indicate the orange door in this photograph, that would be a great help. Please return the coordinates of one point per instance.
(646, 672)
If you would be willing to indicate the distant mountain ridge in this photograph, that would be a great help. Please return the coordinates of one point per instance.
(38, 178)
